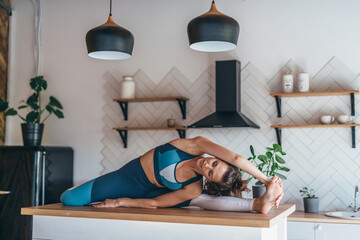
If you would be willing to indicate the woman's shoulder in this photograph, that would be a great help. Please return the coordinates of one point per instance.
(189, 145)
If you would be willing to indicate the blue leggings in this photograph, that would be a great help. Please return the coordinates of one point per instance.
(128, 181)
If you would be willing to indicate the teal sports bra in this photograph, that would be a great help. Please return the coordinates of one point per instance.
(166, 159)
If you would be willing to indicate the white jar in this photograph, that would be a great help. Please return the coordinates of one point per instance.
(127, 87)
(303, 82)
(288, 83)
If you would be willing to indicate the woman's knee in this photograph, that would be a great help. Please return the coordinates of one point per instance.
(78, 196)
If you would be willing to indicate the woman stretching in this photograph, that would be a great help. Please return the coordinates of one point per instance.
(171, 175)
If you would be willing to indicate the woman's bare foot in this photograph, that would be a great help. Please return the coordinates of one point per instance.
(264, 203)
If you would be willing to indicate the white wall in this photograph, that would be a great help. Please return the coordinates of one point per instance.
(309, 32)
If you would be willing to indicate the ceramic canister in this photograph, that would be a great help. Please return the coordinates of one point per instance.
(288, 83)
(127, 87)
(303, 82)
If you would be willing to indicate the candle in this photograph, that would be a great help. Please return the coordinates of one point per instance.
(303, 82)
(288, 83)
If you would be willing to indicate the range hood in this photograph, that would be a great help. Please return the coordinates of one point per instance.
(228, 99)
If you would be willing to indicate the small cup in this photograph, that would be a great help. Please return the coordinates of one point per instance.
(171, 122)
(327, 119)
(343, 119)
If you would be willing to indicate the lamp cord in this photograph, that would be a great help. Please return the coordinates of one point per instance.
(110, 7)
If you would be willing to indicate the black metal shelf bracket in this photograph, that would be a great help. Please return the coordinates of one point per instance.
(278, 105)
(278, 135)
(182, 133)
(182, 105)
(352, 101)
(353, 137)
(124, 109)
(123, 135)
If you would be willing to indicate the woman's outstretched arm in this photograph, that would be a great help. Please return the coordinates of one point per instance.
(201, 145)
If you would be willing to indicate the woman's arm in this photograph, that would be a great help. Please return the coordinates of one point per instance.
(166, 200)
(211, 148)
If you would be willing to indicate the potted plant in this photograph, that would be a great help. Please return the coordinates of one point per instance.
(311, 202)
(270, 164)
(32, 128)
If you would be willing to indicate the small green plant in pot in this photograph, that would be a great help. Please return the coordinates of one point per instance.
(32, 128)
(270, 163)
(311, 202)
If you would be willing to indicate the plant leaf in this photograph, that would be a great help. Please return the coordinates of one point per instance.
(34, 106)
(4, 106)
(269, 155)
(11, 112)
(269, 149)
(262, 158)
(284, 169)
(283, 153)
(22, 106)
(258, 183)
(59, 113)
(31, 117)
(279, 159)
(55, 102)
(38, 83)
(252, 150)
(49, 108)
(32, 99)
(280, 176)
(277, 147)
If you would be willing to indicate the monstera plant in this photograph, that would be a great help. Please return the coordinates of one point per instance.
(36, 113)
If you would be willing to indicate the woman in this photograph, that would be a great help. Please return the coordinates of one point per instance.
(171, 175)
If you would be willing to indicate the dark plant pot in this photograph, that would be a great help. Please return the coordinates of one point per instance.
(32, 133)
(258, 191)
(311, 205)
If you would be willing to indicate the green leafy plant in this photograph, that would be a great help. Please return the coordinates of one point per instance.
(307, 192)
(269, 163)
(33, 104)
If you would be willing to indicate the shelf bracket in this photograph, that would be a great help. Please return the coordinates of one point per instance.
(352, 100)
(278, 135)
(124, 109)
(182, 133)
(182, 105)
(353, 137)
(278, 105)
(123, 135)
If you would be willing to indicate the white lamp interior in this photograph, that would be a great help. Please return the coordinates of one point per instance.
(213, 46)
(109, 55)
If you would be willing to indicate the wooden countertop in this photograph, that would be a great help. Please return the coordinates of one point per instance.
(171, 215)
(300, 216)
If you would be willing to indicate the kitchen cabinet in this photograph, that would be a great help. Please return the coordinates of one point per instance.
(322, 231)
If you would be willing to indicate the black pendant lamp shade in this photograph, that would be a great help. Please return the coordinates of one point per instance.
(109, 41)
(213, 32)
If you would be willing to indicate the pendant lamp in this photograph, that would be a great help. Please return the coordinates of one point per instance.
(109, 41)
(213, 32)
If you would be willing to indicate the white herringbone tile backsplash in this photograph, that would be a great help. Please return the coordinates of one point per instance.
(321, 158)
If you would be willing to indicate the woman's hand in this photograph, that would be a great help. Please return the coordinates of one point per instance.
(109, 203)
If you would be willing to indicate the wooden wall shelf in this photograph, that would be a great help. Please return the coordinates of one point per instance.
(123, 102)
(124, 130)
(352, 125)
(278, 97)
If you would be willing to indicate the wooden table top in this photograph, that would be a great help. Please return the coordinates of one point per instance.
(300, 216)
(171, 215)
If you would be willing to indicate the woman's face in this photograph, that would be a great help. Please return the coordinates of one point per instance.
(213, 169)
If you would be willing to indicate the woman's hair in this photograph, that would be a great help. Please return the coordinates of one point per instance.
(231, 184)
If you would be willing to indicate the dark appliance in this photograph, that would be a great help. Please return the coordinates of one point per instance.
(228, 99)
(30, 176)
